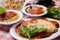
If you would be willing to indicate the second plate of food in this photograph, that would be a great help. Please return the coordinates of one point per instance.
(35, 10)
(31, 29)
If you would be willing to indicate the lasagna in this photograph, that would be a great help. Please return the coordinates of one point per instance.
(50, 26)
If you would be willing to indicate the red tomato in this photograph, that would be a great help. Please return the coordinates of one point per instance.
(40, 10)
(33, 11)
(36, 11)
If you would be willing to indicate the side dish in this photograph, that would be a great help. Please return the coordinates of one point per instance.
(36, 28)
(14, 4)
(9, 16)
(35, 10)
(53, 13)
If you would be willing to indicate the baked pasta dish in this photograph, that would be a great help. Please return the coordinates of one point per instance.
(36, 28)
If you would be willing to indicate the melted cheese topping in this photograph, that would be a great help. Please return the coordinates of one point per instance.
(40, 23)
(46, 24)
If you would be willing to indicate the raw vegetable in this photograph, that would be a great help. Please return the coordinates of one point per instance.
(2, 10)
(32, 30)
(53, 13)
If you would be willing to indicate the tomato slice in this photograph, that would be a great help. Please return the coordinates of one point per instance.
(36, 11)
(33, 11)
(39, 10)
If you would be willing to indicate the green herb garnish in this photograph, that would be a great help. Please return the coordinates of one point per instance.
(25, 31)
(53, 12)
(2, 10)
(30, 31)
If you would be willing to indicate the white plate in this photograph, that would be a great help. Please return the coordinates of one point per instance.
(20, 14)
(13, 33)
(34, 15)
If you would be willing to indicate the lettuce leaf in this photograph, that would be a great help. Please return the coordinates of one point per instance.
(2, 10)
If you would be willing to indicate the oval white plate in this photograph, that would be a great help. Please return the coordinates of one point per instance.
(34, 15)
(13, 33)
(20, 18)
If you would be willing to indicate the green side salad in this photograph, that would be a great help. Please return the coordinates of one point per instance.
(30, 31)
(53, 12)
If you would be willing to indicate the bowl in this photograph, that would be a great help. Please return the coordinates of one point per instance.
(20, 16)
(35, 15)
